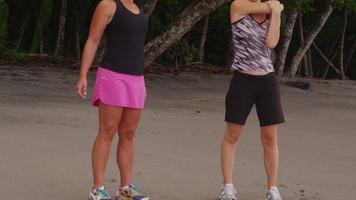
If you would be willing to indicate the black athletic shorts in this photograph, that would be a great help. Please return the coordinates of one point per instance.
(245, 91)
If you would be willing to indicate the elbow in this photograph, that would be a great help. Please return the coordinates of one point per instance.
(271, 44)
(272, 41)
(93, 42)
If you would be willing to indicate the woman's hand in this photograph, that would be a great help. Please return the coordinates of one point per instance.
(82, 87)
(275, 6)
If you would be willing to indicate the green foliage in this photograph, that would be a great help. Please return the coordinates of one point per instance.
(305, 6)
(181, 53)
(14, 55)
(186, 53)
(349, 5)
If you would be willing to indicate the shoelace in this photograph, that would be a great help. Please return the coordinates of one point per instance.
(102, 191)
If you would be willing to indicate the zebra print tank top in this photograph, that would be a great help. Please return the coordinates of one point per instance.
(251, 52)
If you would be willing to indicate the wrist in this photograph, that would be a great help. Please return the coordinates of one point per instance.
(82, 75)
(276, 13)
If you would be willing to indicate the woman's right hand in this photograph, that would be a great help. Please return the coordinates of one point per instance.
(82, 87)
(275, 6)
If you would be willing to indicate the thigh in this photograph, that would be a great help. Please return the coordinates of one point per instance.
(129, 121)
(239, 101)
(109, 118)
(268, 104)
(269, 131)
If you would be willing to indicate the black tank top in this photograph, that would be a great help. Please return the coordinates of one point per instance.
(126, 34)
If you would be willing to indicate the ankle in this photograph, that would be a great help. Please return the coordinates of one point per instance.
(229, 184)
(124, 187)
(97, 187)
(272, 188)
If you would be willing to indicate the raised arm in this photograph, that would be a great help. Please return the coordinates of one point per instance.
(102, 15)
(273, 34)
(241, 8)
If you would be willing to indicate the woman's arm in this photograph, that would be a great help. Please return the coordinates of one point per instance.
(241, 8)
(273, 34)
(101, 18)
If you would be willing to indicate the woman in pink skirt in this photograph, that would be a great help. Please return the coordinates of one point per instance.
(119, 90)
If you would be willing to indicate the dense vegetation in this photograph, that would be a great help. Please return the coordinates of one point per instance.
(321, 34)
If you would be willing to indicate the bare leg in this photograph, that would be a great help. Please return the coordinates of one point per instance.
(125, 147)
(228, 149)
(271, 155)
(109, 118)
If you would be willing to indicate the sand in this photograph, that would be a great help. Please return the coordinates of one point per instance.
(46, 134)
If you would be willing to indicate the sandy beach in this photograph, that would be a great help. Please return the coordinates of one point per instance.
(46, 134)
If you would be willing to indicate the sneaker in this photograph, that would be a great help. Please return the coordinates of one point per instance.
(228, 192)
(99, 194)
(273, 194)
(130, 193)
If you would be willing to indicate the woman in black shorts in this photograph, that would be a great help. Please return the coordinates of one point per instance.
(256, 30)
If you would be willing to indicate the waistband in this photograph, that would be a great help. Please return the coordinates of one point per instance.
(270, 75)
(102, 71)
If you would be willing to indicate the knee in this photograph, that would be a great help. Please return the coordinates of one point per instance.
(107, 133)
(232, 136)
(127, 134)
(269, 141)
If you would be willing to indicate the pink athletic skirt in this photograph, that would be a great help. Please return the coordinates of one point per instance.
(117, 89)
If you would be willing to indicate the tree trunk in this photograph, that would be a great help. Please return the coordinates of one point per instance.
(349, 59)
(188, 7)
(342, 46)
(22, 31)
(161, 43)
(332, 55)
(42, 21)
(201, 51)
(301, 33)
(309, 40)
(149, 7)
(61, 27)
(41, 46)
(310, 63)
(287, 37)
(326, 72)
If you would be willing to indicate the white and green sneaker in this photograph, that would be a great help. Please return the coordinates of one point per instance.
(99, 193)
(273, 194)
(228, 192)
